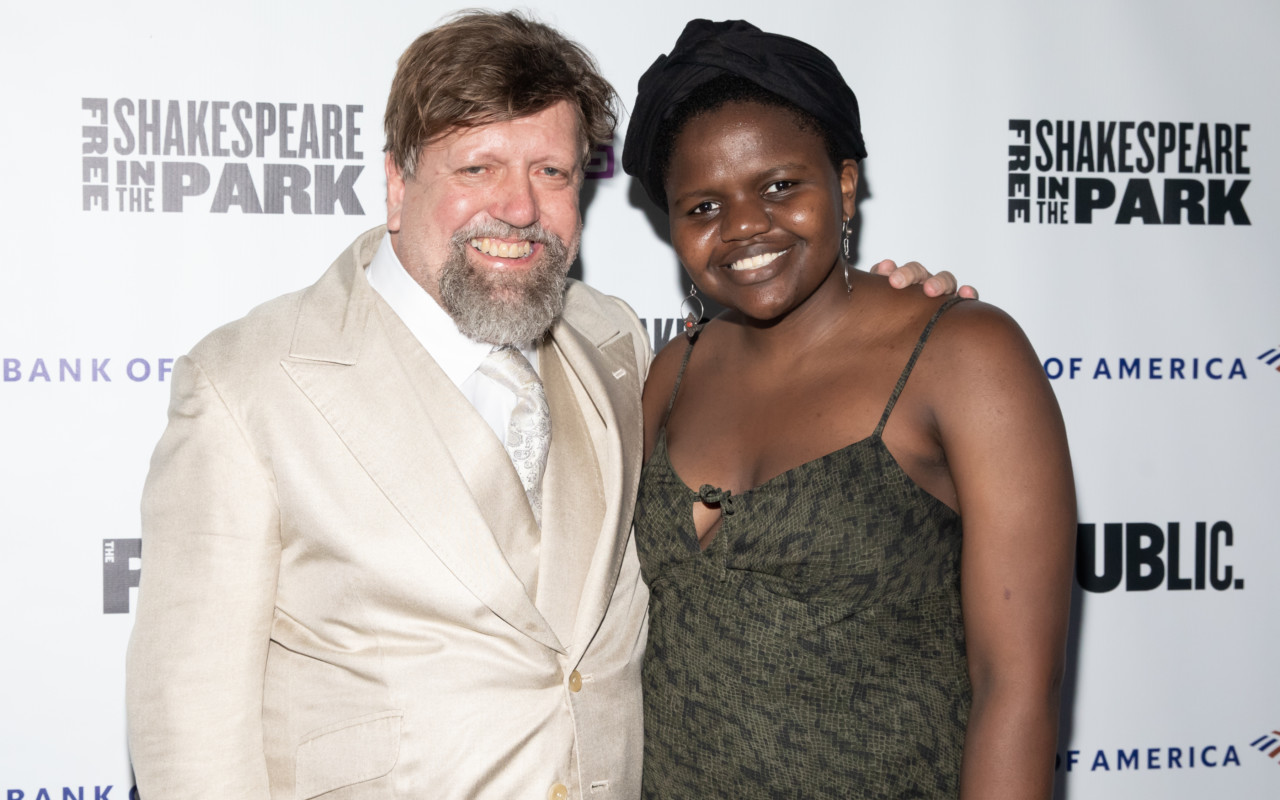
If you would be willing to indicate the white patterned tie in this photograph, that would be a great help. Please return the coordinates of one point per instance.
(529, 431)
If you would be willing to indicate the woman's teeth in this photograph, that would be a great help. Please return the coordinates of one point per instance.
(493, 247)
(755, 262)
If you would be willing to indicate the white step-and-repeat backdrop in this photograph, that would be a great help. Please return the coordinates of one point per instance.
(1107, 172)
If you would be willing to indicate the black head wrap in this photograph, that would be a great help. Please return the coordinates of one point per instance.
(791, 69)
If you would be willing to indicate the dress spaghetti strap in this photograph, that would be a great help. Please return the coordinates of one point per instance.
(911, 362)
(688, 351)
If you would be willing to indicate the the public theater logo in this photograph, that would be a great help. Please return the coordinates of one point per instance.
(143, 156)
(1064, 172)
(121, 571)
(1143, 556)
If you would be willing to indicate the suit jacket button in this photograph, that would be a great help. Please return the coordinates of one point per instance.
(558, 792)
(575, 681)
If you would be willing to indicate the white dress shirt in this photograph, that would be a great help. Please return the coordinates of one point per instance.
(457, 355)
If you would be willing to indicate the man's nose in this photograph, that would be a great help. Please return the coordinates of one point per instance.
(515, 201)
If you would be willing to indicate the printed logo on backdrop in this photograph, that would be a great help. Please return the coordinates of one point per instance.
(103, 370)
(1269, 744)
(599, 163)
(72, 793)
(215, 156)
(1148, 759)
(1145, 556)
(1171, 369)
(661, 329)
(1081, 172)
(1271, 358)
(121, 571)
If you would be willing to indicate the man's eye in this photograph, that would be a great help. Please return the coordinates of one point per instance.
(705, 207)
(778, 186)
(473, 170)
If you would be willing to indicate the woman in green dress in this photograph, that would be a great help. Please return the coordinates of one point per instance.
(858, 547)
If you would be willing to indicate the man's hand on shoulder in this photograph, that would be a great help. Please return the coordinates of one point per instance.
(913, 272)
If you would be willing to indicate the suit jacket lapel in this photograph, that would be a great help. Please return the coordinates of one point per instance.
(343, 359)
(603, 359)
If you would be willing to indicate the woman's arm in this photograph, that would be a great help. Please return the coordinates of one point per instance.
(1006, 447)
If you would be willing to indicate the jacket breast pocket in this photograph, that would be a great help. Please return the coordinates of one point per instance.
(350, 752)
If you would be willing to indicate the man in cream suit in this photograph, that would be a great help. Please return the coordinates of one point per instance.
(347, 590)
(351, 588)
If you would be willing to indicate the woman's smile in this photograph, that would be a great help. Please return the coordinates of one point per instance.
(757, 261)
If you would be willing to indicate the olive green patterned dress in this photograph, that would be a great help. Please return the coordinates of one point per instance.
(816, 648)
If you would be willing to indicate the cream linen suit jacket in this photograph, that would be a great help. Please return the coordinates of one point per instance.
(325, 610)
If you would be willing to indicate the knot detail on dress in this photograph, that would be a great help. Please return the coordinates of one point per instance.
(712, 495)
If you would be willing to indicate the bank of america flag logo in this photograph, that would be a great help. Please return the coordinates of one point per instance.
(1268, 743)
(1271, 358)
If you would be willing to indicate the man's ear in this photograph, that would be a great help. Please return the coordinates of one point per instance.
(395, 193)
(849, 187)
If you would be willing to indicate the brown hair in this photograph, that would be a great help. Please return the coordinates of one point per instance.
(483, 67)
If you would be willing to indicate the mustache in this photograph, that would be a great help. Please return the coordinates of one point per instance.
(494, 229)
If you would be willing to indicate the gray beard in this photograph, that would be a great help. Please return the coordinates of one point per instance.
(505, 308)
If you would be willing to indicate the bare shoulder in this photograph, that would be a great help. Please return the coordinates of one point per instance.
(976, 335)
(981, 370)
(658, 387)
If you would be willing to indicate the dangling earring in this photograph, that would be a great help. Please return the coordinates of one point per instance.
(692, 320)
(846, 233)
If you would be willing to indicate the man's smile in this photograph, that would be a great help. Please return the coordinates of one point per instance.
(501, 249)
